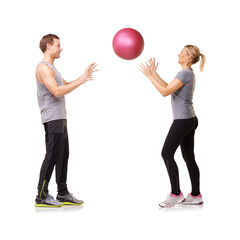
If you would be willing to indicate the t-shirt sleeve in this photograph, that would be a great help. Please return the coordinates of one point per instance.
(183, 77)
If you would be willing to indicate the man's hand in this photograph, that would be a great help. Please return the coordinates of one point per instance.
(87, 75)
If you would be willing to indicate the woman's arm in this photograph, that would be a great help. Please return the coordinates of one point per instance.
(164, 88)
(169, 89)
(153, 67)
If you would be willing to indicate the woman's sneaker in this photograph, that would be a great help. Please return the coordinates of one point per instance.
(172, 200)
(69, 199)
(193, 200)
(49, 201)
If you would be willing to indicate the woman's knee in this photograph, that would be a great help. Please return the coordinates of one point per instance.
(167, 155)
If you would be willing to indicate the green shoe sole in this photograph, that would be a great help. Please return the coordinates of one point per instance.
(45, 205)
(69, 203)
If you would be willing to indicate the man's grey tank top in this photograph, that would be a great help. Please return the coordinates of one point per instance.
(51, 108)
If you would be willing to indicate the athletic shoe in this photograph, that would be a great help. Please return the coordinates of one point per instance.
(193, 200)
(172, 200)
(69, 199)
(49, 201)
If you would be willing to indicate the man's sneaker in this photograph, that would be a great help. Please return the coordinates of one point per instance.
(192, 200)
(69, 199)
(172, 200)
(49, 201)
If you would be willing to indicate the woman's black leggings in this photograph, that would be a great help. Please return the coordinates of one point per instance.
(181, 133)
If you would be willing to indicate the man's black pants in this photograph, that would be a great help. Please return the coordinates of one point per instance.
(57, 152)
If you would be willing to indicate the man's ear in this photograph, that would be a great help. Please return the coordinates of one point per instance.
(48, 46)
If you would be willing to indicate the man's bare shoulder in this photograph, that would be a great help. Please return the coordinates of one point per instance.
(44, 68)
(43, 72)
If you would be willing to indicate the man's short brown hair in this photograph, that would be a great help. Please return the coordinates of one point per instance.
(47, 39)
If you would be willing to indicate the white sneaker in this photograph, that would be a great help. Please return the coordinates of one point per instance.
(172, 200)
(192, 200)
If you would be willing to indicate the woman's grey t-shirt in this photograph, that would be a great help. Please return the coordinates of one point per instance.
(182, 104)
(51, 108)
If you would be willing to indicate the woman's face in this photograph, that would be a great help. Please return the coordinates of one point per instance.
(184, 57)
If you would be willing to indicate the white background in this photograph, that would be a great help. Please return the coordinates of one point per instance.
(118, 123)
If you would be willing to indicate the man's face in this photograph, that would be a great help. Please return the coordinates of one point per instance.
(55, 49)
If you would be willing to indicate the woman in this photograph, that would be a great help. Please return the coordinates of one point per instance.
(184, 125)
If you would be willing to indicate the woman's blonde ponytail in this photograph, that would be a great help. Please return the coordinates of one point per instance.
(195, 53)
(202, 61)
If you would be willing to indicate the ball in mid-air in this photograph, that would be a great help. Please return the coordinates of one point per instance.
(128, 43)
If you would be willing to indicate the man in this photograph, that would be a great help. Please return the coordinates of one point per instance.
(51, 88)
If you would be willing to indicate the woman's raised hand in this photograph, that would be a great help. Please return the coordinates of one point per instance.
(152, 65)
(145, 69)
